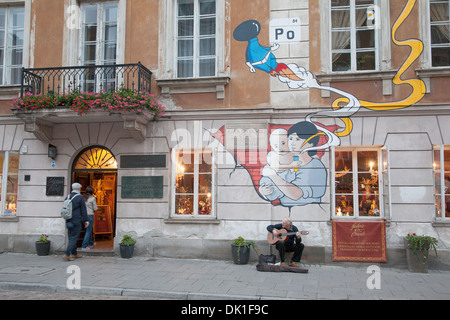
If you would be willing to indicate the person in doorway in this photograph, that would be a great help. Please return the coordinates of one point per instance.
(293, 243)
(91, 207)
(74, 225)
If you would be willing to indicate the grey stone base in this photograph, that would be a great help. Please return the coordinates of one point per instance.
(216, 250)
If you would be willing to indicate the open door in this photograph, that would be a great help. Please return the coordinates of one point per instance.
(97, 167)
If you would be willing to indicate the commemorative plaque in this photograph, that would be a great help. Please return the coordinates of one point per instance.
(142, 187)
(143, 161)
(54, 186)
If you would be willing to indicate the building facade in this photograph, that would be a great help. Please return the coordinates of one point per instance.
(323, 111)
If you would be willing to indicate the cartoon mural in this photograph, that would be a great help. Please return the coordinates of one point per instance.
(293, 174)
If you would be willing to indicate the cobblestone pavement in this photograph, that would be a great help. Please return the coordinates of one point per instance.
(36, 295)
(178, 279)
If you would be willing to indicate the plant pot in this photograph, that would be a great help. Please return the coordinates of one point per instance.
(240, 254)
(417, 261)
(126, 252)
(43, 248)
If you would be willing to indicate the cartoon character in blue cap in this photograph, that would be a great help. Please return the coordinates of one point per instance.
(260, 57)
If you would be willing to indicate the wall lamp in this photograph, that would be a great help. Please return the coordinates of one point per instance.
(52, 151)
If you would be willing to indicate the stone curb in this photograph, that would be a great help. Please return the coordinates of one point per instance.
(105, 291)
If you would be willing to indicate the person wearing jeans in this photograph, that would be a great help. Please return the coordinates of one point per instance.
(292, 244)
(79, 217)
(91, 207)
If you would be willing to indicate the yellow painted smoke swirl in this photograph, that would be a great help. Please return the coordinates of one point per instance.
(418, 86)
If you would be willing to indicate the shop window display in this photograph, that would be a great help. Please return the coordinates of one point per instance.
(357, 183)
(9, 174)
(441, 169)
(193, 194)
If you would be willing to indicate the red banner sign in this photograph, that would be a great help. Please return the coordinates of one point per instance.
(359, 241)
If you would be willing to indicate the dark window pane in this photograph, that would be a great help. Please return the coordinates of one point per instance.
(341, 61)
(185, 8)
(365, 60)
(440, 57)
(207, 7)
(185, 68)
(365, 39)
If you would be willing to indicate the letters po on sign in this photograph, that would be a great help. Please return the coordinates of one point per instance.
(285, 30)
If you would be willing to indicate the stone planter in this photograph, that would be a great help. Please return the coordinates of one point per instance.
(417, 261)
(43, 248)
(240, 254)
(126, 251)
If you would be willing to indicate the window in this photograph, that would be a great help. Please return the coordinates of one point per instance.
(440, 32)
(99, 43)
(193, 181)
(357, 180)
(96, 158)
(354, 35)
(9, 177)
(196, 38)
(441, 169)
(11, 44)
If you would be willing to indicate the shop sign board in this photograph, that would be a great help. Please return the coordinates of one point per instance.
(356, 240)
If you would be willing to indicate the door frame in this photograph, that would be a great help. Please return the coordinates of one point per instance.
(98, 170)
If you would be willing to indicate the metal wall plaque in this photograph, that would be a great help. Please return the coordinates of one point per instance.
(54, 186)
(143, 161)
(142, 187)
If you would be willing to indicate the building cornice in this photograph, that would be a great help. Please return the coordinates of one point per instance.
(290, 113)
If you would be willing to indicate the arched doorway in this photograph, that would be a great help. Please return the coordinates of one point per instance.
(96, 166)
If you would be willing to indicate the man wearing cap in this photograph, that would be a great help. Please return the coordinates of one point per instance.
(74, 225)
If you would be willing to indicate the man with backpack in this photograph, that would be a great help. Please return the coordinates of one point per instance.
(74, 224)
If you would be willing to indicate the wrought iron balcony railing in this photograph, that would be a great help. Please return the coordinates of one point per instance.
(94, 78)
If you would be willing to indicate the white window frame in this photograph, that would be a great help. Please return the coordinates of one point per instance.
(386, 180)
(168, 45)
(100, 37)
(383, 39)
(195, 214)
(353, 49)
(383, 172)
(4, 182)
(431, 46)
(100, 79)
(7, 46)
(196, 42)
(72, 51)
(441, 172)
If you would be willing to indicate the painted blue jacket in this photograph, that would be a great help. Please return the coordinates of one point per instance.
(261, 57)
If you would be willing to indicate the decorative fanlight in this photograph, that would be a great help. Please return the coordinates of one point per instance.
(96, 159)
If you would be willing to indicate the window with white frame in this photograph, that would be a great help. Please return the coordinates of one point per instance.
(12, 21)
(9, 177)
(98, 43)
(354, 33)
(440, 32)
(196, 38)
(358, 182)
(193, 183)
(441, 169)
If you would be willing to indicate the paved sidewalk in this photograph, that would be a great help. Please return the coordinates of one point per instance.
(183, 279)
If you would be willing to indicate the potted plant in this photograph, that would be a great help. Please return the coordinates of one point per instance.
(240, 250)
(127, 246)
(417, 248)
(43, 245)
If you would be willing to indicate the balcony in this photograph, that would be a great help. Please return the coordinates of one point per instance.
(104, 80)
(94, 78)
